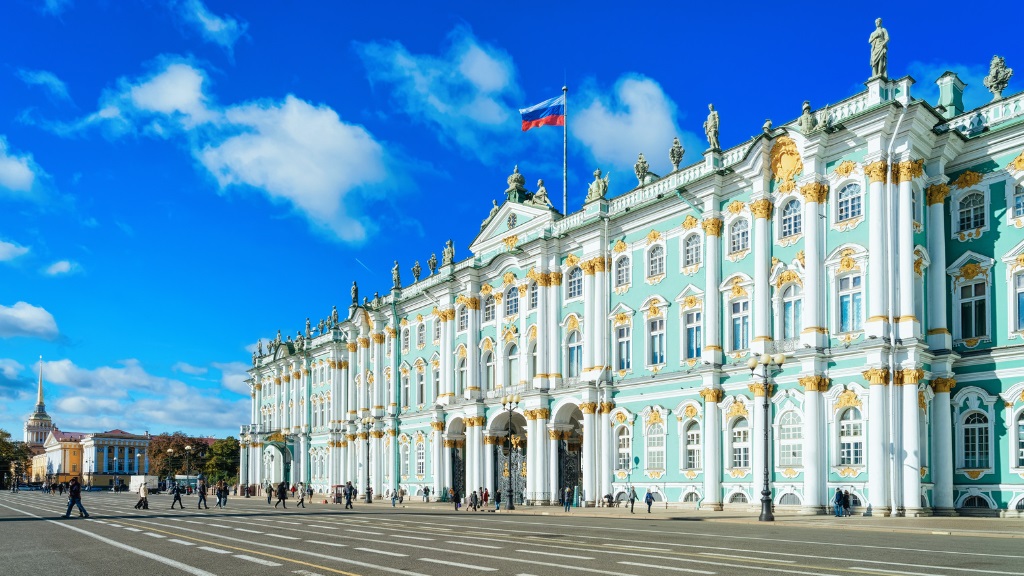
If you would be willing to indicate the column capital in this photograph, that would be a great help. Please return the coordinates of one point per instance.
(877, 171)
(877, 376)
(814, 192)
(943, 385)
(713, 395)
(760, 388)
(762, 208)
(936, 193)
(712, 226)
(907, 170)
(908, 377)
(815, 383)
(607, 407)
(588, 407)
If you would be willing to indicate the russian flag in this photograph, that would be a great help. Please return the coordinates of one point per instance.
(547, 113)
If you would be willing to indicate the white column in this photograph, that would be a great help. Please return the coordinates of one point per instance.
(445, 358)
(910, 325)
(607, 448)
(942, 446)
(303, 459)
(815, 465)
(473, 373)
(553, 438)
(532, 465)
(600, 313)
(589, 445)
(351, 403)
(448, 351)
(762, 243)
(544, 329)
(446, 463)
(712, 297)
(878, 442)
(813, 333)
(377, 450)
(541, 444)
(589, 320)
(488, 471)
(554, 350)
(712, 444)
(939, 337)
(437, 448)
(365, 402)
(380, 383)
(911, 428)
(877, 320)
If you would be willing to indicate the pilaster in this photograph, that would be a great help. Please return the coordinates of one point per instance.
(877, 323)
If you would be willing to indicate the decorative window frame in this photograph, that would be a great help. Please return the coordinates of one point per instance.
(1014, 261)
(954, 213)
(1011, 184)
(622, 418)
(785, 402)
(508, 362)
(689, 412)
(727, 240)
(436, 330)
(510, 293)
(568, 281)
(837, 399)
(846, 260)
(781, 203)
(967, 401)
(698, 233)
(622, 315)
(733, 408)
(484, 301)
(628, 259)
(657, 278)
(653, 308)
(737, 286)
(782, 278)
(651, 416)
(421, 335)
(689, 300)
(421, 457)
(966, 270)
(571, 323)
(1013, 408)
(833, 203)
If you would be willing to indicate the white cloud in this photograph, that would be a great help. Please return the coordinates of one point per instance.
(61, 267)
(54, 86)
(233, 376)
(10, 251)
(176, 91)
(187, 368)
(10, 368)
(115, 381)
(469, 94)
(221, 30)
(639, 117)
(24, 319)
(55, 7)
(17, 173)
(300, 153)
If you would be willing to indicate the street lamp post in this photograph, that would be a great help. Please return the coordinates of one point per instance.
(188, 468)
(115, 472)
(509, 402)
(368, 423)
(170, 467)
(769, 364)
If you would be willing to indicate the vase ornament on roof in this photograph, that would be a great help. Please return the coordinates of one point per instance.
(641, 168)
(998, 77)
(675, 154)
(516, 191)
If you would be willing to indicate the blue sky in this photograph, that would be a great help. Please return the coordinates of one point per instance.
(181, 177)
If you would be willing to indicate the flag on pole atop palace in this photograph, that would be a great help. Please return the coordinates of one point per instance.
(547, 113)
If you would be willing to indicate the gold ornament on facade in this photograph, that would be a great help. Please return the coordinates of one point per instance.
(378, 338)
(910, 376)
(523, 289)
(970, 271)
(814, 383)
(789, 473)
(509, 278)
(287, 378)
(848, 399)
(363, 342)
(876, 376)
(531, 334)
(922, 402)
(689, 223)
(759, 389)
(554, 278)
(1017, 164)
(814, 192)
(690, 302)
(762, 208)
(849, 472)
(967, 179)
(607, 407)
(846, 261)
(785, 163)
(713, 395)
(619, 247)
(936, 193)
(737, 409)
(498, 297)
(511, 241)
(877, 171)
(654, 311)
(588, 407)
(573, 323)
(653, 236)
(620, 417)
(736, 207)
(788, 277)
(739, 472)
(690, 411)
(907, 170)
(510, 335)
(712, 226)
(571, 260)
(845, 168)
(737, 288)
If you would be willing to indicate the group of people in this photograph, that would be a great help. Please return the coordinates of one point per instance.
(300, 490)
(841, 503)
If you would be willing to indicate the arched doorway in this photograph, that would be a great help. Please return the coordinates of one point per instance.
(277, 463)
(509, 456)
(456, 446)
(568, 423)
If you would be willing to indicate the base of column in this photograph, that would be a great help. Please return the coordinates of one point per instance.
(944, 512)
(812, 510)
(917, 512)
(714, 506)
(884, 513)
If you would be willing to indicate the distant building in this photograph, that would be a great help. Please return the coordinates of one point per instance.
(61, 459)
(39, 424)
(112, 454)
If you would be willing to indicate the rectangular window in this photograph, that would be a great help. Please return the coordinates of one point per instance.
(851, 443)
(623, 343)
(656, 341)
(1019, 282)
(693, 461)
(693, 335)
(404, 400)
(420, 459)
(656, 452)
(791, 445)
(1018, 201)
(625, 451)
(975, 447)
(421, 387)
(850, 306)
(741, 325)
(791, 320)
(741, 448)
(972, 310)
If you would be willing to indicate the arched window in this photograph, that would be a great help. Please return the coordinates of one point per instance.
(487, 379)
(976, 440)
(625, 449)
(622, 271)
(512, 301)
(691, 497)
(791, 440)
(656, 261)
(849, 202)
(738, 498)
(655, 447)
(792, 305)
(575, 354)
(574, 288)
(421, 459)
(691, 250)
(692, 457)
(792, 221)
(851, 311)
(739, 236)
(488, 308)
(405, 339)
(435, 382)
(789, 500)
(741, 443)
(512, 366)
(421, 335)
(534, 291)
(460, 376)
(975, 502)
(463, 318)
(971, 212)
(973, 317)
(404, 460)
(851, 438)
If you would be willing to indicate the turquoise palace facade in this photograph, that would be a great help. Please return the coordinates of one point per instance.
(875, 243)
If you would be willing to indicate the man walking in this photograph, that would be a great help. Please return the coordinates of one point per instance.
(282, 495)
(302, 496)
(632, 499)
(348, 495)
(497, 500)
(176, 492)
(837, 503)
(143, 503)
(201, 489)
(270, 491)
(649, 499)
(426, 494)
(567, 498)
(75, 499)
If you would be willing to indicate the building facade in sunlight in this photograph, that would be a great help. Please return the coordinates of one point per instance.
(874, 246)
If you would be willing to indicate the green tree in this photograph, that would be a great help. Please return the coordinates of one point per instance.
(222, 460)
(14, 458)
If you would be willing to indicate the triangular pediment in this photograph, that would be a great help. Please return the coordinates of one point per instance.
(511, 219)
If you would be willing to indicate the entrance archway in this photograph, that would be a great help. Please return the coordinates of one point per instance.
(456, 446)
(277, 463)
(568, 424)
(509, 456)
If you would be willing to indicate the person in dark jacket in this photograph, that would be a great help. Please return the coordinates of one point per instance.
(176, 492)
(75, 498)
(837, 503)
(632, 499)
(282, 495)
(649, 499)
(201, 489)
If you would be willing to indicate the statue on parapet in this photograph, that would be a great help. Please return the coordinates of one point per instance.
(598, 188)
(711, 128)
(491, 214)
(395, 278)
(259, 346)
(998, 77)
(334, 316)
(879, 41)
(432, 264)
(416, 271)
(309, 328)
(641, 169)
(355, 294)
(675, 153)
(448, 254)
(807, 121)
(540, 197)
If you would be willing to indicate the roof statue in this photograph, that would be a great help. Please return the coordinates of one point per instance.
(540, 197)
(320, 326)
(767, 127)
(490, 216)
(432, 264)
(448, 254)
(376, 300)
(278, 340)
(255, 358)
(395, 278)
(516, 192)
(641, 168)
(416, 271)
(998, 77)
(299, 341)
(309, 328)
(879, 41)
(807, 121)
(598, 188)
(675, 154)
(355, 294)
(334, 315)
(711, 128)
(259, 346)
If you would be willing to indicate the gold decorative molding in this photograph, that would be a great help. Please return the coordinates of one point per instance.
(943, 385)
(787, 277)
(737, 289)
(511, 241)
(922, 402)
(970, 271)
(713, 395)
(712, 226)
(815, 383)
(849, 472)
(571, 260)
(907, 170)
(473, 421)
(619, 247)
(814, 192)
(736, 207)
(653, 236)
(737, 409)
(785, 163)
(847, 262)
(877, 171)
(848, 399)
(876, 376)
(588, 407)
(437, 426)
(621, 318)
(845, 168)
(759, 389)
(555, 278)
(606, 407)
(762, 208)
(1017, 164)
(531, 334)
(363, 342)
(936, 193)
(967, 179)
(789, 473)
(378, 338)
(508, 278)
(908, 377)
(973, 474)
(573, 323)
(689, 223)
(691, 301)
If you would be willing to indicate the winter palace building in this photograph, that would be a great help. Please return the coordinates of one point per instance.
(876, 244)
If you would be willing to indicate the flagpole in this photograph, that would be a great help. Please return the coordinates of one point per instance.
(565, 171)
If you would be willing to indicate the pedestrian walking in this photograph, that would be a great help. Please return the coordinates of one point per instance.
(846, 503)
(497, 501)
(201, 490)
(456, 499)
(348, 492)
(309, 493)
(75, 499)
(394, 498)
(282, 495)
(143, 503)
(474, 501)
(649, 499)
(176, 492)
(426, 493)
(567, 498)
(302, 496)
(270, 491)
(487, 497)
(632, 499)
(837, 503)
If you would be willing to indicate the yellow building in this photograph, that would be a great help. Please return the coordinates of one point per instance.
(62, 459)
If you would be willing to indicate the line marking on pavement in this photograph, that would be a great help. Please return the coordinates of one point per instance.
(734, 557)
(306, 573)
(459, 565)
(116, 525)
(385, 552)
(212, 549)
(559, 554)
(257, 560)
(286, 522)
(282, 536)
(365, 532)
(320, 526)
(249, 531)
(132, 529)
(673, 568)
(646, 548)
(474, 545)
(216, 525)
(154, 535)
(182, 542)
(327, 543)
(894, 571)
(412, 537)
